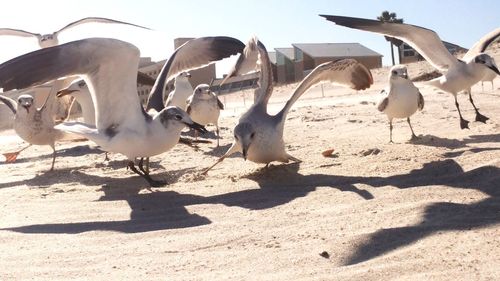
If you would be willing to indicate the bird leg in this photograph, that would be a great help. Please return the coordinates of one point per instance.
(53, 158)
(217, 132)
(464, 124)
(390, 131)
(152, 182)
(106, 158)
(11, 157)
(413, 136)
(479, 116)
(141, 166)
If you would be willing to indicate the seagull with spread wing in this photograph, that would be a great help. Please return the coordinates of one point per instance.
(258, 135)
(51, 39)
(109, 68)
(458, 75)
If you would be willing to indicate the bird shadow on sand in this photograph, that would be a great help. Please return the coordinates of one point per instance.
(435, 141)
(67, 152)
(438, 217)
(282, 184)
(150, 211)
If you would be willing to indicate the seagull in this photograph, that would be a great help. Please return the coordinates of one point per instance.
(50, 40)
(33, 125)
(402, 98)
(204, 107)
(258, 135)
(458, 75)
(182, 90)
(109, 68)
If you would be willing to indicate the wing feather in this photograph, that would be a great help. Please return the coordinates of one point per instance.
(193, 54)
(10, 103)
(97, 20)
(346, 72)
(424, 40)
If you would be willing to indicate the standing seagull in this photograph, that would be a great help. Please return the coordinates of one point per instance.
(258, 135)
(109, 68)
(401, 99)
(50, 40)
(182, 90)
(204, 107)
(33, 125)
(457, 75)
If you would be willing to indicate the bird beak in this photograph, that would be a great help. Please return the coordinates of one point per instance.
(64, 92)
(197, 127)
(27, 107)
(244, 153)
(188, 75)
(405, 76)
(494, 68)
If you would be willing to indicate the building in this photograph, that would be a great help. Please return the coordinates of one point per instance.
(310, 55)
(285, 65)
(407, 54)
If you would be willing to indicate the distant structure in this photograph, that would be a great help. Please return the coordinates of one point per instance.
(285, 64)
(407, 54)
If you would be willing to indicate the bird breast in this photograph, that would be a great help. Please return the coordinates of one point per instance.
(403, 100)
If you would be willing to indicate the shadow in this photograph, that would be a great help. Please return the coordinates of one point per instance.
(67, 152)
(435, 141)
(454, 154)
(282, 184)
(151, 211)
(438, 216)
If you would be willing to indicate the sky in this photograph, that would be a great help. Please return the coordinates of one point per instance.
(276, 23)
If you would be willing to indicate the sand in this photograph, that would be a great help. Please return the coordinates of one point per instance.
(427, 210)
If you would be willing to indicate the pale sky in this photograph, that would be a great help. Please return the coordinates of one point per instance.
(278, 24)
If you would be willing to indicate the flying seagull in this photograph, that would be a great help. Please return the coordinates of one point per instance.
(402, 98)
(458, 75)
(109, 68)
(258, 135)
(50, 40)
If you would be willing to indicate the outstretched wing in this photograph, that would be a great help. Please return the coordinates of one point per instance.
(18, 32)
(345, 72)
(255, 58)
(10, 103)
(424, 40)
(481, 45)
(193, 54)
(98, 20)
(108, 66)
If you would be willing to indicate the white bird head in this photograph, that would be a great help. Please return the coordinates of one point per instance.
(25, 101)
(73, 89)
(202, 90)
(398, 72)
(244, 134)
(173, 115)
(487, 61)
(48, 40)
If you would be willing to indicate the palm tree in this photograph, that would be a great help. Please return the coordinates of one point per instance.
(391, 17)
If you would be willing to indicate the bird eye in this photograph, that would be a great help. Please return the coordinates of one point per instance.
(178, 117)
(394, 72)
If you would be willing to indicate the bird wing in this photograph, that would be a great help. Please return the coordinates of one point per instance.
(481, 45)
(193, 54)
(10, 103)
(108, 66)
(255, 58)
(98, 20)
(345, 72)
(424, 40)
(18, 32)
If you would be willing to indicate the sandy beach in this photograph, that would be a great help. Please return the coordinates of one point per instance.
(426, 210)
